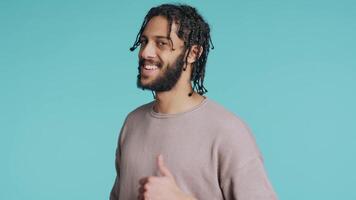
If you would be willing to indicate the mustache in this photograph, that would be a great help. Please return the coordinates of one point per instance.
(142, 62)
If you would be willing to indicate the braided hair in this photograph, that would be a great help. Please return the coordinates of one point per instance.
(193, 30)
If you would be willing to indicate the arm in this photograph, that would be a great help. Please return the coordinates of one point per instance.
(114, 194)
(115, 191)
(242, 174)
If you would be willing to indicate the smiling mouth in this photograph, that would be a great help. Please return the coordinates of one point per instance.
(150, 67)
(148, 70)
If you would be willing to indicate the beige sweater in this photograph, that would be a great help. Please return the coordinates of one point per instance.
(210, 151)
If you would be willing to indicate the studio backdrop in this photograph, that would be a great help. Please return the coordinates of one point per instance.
(68, 79)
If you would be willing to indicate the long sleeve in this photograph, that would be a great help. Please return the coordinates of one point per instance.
(252, 182)
(115, 191)
(242, 175)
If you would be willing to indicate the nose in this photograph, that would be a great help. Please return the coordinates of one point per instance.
(148, 51)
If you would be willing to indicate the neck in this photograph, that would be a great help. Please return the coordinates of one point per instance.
(177, 100)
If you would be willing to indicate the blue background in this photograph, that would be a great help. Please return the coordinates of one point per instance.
(67, 81)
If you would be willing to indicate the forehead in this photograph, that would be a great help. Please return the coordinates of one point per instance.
(158, 27)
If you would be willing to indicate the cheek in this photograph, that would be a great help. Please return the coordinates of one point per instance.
(168, 59)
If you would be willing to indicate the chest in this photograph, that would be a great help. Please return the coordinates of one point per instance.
(187, 150)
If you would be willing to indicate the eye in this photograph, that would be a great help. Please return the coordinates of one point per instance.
(161, 43)
(143, 42)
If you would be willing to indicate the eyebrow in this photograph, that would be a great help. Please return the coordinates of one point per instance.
(156, 37)
(160, 37)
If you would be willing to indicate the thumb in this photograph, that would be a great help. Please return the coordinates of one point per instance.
(162, 167)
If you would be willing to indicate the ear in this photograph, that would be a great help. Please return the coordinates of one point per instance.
(195, 53)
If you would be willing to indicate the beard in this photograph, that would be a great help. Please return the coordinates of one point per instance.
(165, 81)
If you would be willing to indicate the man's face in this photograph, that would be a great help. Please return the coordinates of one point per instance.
(160, 67)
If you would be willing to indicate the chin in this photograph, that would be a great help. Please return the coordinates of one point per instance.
(143, 84)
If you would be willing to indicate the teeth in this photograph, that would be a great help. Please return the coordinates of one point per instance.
(150, 67)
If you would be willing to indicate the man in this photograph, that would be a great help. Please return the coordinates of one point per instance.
(182, 145)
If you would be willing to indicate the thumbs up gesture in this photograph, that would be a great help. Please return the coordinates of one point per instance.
(161, 187)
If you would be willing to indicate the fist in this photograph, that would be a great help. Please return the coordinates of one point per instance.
(161, 187)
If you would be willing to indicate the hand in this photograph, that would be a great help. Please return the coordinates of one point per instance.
(162, 187)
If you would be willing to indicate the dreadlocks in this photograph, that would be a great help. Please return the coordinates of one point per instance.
(193, 30)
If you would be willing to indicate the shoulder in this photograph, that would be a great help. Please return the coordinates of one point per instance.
(231, 131)
(139, 112)
(224, 118)
(133, 117)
